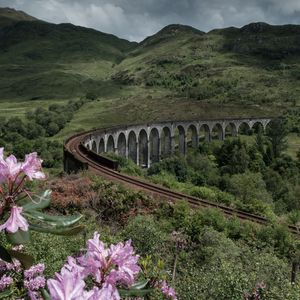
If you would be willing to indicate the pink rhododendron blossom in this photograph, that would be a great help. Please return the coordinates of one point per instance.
(108, 291)
(15, 221)
(32, 166)
(72, 267)
(117, 264)
(109, 267)
(66, 286)
(168, 291)
(123, 256)
(10, 168)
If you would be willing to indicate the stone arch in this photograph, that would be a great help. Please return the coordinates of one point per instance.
(143, 148)
(94, 146)
(180, 139)
(231, 129)
(217, 132)
(101, 146)
(204, 133)
(256, 126)
(154, 142)
(166, 142)
(121, 144)
(132, 147)
(192, 135)
(244, 128)
(110, 145)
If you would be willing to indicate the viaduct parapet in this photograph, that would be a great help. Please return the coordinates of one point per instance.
(149, 143)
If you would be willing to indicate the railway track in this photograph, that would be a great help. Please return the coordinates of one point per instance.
(73, 146)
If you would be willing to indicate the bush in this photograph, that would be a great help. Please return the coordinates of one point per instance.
(213, 194)
(145, 234)
(174, 165)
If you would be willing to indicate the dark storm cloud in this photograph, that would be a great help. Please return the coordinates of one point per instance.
(136, 19)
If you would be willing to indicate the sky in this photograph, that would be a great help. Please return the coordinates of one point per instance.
(136, 19)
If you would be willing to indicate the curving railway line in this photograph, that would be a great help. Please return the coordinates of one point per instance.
(74, 148)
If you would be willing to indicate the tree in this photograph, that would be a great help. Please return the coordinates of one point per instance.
(52, 129)
(233, 156)
(277, 133)
(260, 141)
(34, 130)
(249, 187)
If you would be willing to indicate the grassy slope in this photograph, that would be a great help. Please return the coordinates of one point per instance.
(39, 60)
(178, 73)
(258, 64)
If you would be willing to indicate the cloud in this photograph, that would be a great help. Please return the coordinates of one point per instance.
(136, 19)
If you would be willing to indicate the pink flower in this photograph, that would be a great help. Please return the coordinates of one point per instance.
(108, 291)
(15, 221)
(34, 284)
(168, 291)
(66, 286)
(32, 166)
(34, 270)
(123, 256)
(74, 268)
(5, 281)
(9, 168)
(117, 264)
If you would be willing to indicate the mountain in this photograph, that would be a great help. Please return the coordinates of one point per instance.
(10, 15)
(44, 60)
(255, 64)
(258, 64)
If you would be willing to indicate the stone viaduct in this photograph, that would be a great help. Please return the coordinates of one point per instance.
(149, 143)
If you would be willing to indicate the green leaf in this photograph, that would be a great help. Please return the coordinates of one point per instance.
(58, 221)
(140, 285)
(58, 231)
(40, 202)
(4, 254)
(25, 259)
(134, 292)
(19, 237)
(5, 294)
(45, 294)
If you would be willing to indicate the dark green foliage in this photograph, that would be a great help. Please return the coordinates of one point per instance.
(205, 170)
(175, 165)
(292, 117)
(114, 203)
(249, 187)
(232, 157)
(145, 234)
(277, 132)
(22, 137)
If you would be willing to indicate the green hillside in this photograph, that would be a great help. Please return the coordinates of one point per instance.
(251, 70)
(257, 64)
(42, 60)
(9, 16)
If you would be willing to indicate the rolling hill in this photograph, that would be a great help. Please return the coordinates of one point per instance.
(44, 60)
(256, 65)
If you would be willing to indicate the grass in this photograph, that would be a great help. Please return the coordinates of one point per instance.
(293, 140)
(19, 108)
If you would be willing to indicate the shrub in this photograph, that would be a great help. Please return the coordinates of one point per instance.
(146, 235)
